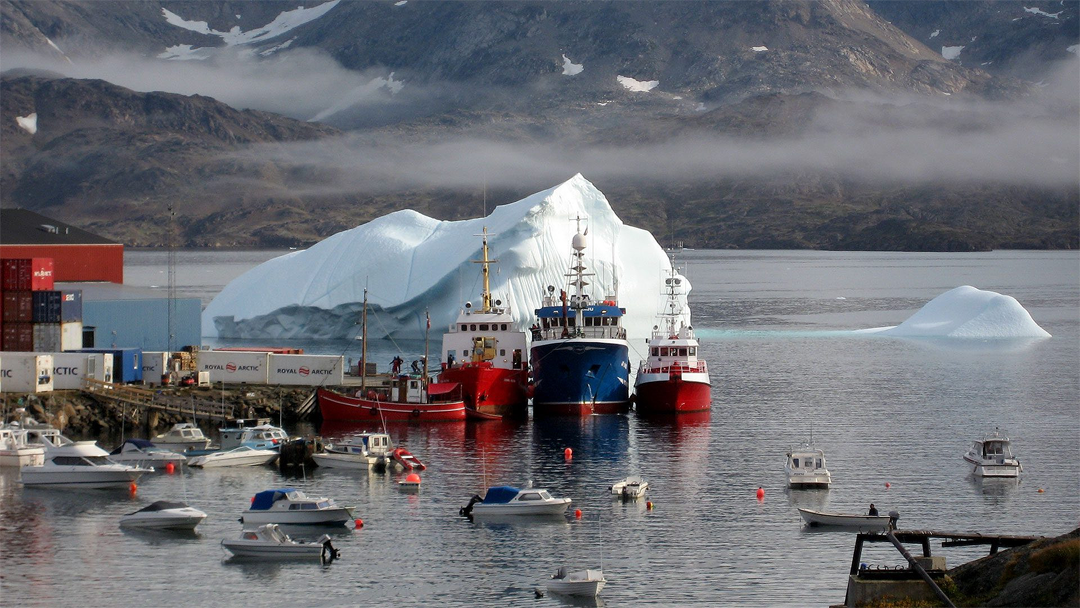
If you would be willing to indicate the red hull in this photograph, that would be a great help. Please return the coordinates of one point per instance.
(338, 407)
(672, 397)
(490, 392)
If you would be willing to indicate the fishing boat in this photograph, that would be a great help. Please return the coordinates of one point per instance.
(15, 451)
(581, 583)
(992, 457)
(182, 437)
(863, 523)
(580, 356)
(164, 515)
(242, 456)
(630, 488)
(409, 397)
(674, 378)
(291, 506)
(143, 453)
(486, 355)
(269, 542)
(805, 467)
(508, 500)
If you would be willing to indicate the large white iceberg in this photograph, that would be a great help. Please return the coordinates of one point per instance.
(967, 312)
(411, 263)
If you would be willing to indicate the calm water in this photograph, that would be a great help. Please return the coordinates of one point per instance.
(775, 328)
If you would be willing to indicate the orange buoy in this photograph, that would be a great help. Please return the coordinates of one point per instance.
(888, 485)
(359, 523)
(412, 478)
(648, 505)
(252, 500)
(1041, 490)
(760, 493)
(568, 453)
(577, 513)
(170, 468)
(134, 488)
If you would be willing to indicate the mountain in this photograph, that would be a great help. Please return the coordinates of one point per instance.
(829, 124)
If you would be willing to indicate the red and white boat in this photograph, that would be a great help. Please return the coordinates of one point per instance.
(673, 379)
(488, 356)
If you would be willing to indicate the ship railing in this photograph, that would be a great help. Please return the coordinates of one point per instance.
(698, 368)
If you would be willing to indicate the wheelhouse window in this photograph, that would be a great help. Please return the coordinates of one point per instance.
(484, 327)
(472, 327)
(530, 496)
(464, 327)
(502, 352)
(503, 327)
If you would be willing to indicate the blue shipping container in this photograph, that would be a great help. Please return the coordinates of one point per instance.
(46, 306)
(70, 305)
(127, 363)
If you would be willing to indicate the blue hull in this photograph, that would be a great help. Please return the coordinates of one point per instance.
(580, 376)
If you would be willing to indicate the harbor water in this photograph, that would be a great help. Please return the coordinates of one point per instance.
(894, 417)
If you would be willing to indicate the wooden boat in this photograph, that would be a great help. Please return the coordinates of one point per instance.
(863, 523)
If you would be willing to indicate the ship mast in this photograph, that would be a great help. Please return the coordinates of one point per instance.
(578, 276)
(363, 348)
(486, 307)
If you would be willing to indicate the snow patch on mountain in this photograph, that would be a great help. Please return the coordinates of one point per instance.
(570, 68)
(281, 24)
(951, 52)
(637, 86)
(1039, 11)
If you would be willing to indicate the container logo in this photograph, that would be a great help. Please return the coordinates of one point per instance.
(230, 367)
(5, 373)
(66, 371)
(304, 371)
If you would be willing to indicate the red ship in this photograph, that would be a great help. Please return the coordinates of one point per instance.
(487, 356)
(673, 379)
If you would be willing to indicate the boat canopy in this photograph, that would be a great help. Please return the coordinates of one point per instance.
(265, 499)
(441, 388)
(500, 494)
(139, 443)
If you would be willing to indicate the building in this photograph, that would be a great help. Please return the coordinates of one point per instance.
(77, 254)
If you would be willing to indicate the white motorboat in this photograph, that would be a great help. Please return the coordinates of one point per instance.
(141, 452)
(182, 437)
(862, 523)
(164, 515)
(993, 457)
(631, 487)
(269, 542)
(80, 465)
(805, 468)
(587, 583)
(291, 506)
(508, 500)
(262, 436)
(16, 451)
(359, 451)
(242, 456)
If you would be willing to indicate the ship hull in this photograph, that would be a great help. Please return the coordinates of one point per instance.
(672, 394)
(491, 391)
(341, 408)
(580, 377)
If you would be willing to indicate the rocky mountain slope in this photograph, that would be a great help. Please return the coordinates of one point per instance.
(718, 124)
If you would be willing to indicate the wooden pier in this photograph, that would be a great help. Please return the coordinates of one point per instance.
(149, 399)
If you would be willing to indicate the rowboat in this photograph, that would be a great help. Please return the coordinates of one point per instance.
(863, 523)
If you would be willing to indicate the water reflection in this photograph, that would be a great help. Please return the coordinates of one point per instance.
(997, 489)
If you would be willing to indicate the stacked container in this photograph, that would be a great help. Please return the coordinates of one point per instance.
(35, 317)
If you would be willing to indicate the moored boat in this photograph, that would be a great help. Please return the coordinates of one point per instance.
(992, 457)
(863, 523)
(260, 436)
(581, 583)
(144, 453)
(164, 515)
(674, 378)
(630, 488)
(291, 506)
(508, 500)
(82, 464)
(242, 456)
(805, 467)
(580, 356)
(269, 542)
(486, 354)
(16, 451)
(182, 437)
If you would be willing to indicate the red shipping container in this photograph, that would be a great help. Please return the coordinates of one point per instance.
(18, 306)
(18, 337)
(27, 274)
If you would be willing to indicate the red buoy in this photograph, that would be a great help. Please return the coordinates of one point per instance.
(648, 505)
(359, 523)
(887, 485)
(760, 493)
(170, 468)
(577, 513)
(568, 453)
(412, 478)
(133, 487)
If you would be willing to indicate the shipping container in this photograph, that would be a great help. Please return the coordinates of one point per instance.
(26, 274)
(18, 337)
(18, 306)
(46, 306)
(306, 370)
(234, 366)
(126, 363)
(25, 372)
(46, 338)
(71, 336)
(71, 305)
(155, 364)
(69, 369)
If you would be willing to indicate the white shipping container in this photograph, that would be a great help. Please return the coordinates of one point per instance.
(307, 370)
(231, 366)
(69, 369)
(154, 365)
(47, 338)
(71, 335)
(26, 372)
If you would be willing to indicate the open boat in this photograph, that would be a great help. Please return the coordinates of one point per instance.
(586, 583)
(143, 453)
(269, 542)
(630, 488)
(242, 456)
(863, 523)
(993, 457)
(291, 506)
(508, 500)
(164, 515)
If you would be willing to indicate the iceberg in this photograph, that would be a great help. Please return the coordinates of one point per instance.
(971, 313)
(413, 265)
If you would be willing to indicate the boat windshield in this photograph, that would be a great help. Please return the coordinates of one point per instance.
(530, 496)
(545, 495)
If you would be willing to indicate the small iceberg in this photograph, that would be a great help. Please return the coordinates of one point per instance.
(968, 313)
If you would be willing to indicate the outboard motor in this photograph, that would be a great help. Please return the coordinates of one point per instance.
(329, 553)
(893, 516)
(466, 511)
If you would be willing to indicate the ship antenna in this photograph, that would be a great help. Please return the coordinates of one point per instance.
(486, 273)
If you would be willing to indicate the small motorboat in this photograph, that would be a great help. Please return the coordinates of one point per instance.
(862, 523)
(269, 542)
(260, 436)
(242, 456)
(15, 449)
(291, 506)
(630, 488)
(141, 452)
(359, 451)
(164, 515)
(805, 468)
(587, 583)
(182, 437)
(993, 457)
(78, 464)
(508, 500)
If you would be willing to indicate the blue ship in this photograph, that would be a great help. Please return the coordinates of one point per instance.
(580, 356)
